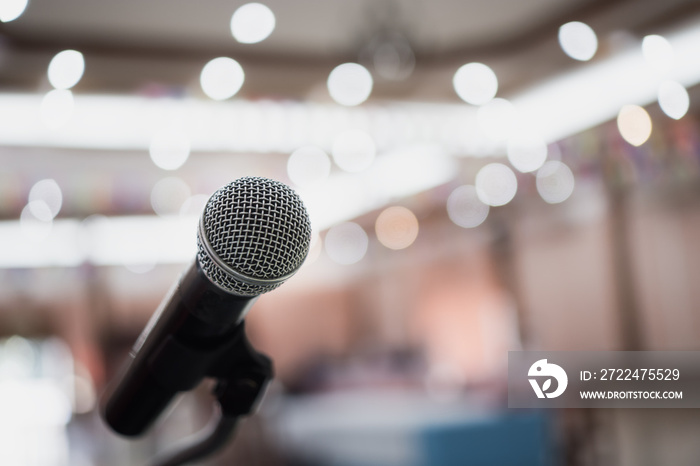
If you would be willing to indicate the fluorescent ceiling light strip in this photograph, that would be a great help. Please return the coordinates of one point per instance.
(393, 176)
(594, 94)
(139, 240)
(558, 108)
(130, 123)
(101, 241)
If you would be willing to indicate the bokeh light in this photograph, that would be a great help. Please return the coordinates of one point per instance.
(10, 10)
(527, 152)
(555, 182)
(308, 166)
(169, 150)
(346, 243)
(168, 195)
(350, 84)
(634, 124)
(85, 393)
(222, 78)
(396, 227)
(194, 205)
(66, 69)
(465, 208)
(41, 211)
(658, 52)
(140, 268)
(393, 58)
(353, 150)
(475, 83)
(315, 249)
(673, 99)
(578, 40)
(252, 23)
(35, 221)
(57, 108)
(497, 119)
(47, 193)
(496, 184)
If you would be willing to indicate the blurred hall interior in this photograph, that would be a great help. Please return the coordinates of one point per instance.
(481, 177)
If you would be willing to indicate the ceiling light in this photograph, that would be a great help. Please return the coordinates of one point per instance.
(169, 150)
(252, 23)
(496, 184)
(350, 84)
(10, 10)
(526, 152)
(353, 150)
(578, 40)
(396, 227)
(658, 53)
(66, 69)
(346, 243)
(308, 165)
(634, 124)
(555, 182)
(673, 99)
(222, 78)
(475, 83)
(465, 208)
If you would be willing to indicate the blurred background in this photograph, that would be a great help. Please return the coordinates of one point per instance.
(482, 176)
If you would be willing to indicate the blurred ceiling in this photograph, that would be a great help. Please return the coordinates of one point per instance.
(132, 45)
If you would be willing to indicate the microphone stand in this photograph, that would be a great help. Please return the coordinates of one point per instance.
(242, 374)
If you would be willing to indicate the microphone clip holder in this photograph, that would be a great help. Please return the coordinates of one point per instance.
(242, 374)
(241, 371)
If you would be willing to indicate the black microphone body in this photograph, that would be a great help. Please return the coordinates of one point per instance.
(197, 318)
(253, 235)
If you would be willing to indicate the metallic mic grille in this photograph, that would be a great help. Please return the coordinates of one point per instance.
(257, 227)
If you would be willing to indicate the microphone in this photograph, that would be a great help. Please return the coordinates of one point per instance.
(253, 235)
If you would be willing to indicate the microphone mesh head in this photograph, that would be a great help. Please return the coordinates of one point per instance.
(259, 229)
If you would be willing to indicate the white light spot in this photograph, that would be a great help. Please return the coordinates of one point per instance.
(350, 84)
(496, 184)
(555, 182)
(346, 243)
(354, 150)
(393, 59)
(41, 211)
(168, 195)
(396, 227)
(194, 205)
(169, 150)
(35, 221)
(10, 10)
(307, 166)
(66, 69)
(315, 249)
(57, 108)
(85, 394)
(222, 78)
(497, 119)
(49, 194)
(658, 53)
(475, 83)
(578, 40)
(527, 152)
(465, 208)
(252, 23)
(634, 124)
(673, 99)
(141, 268)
